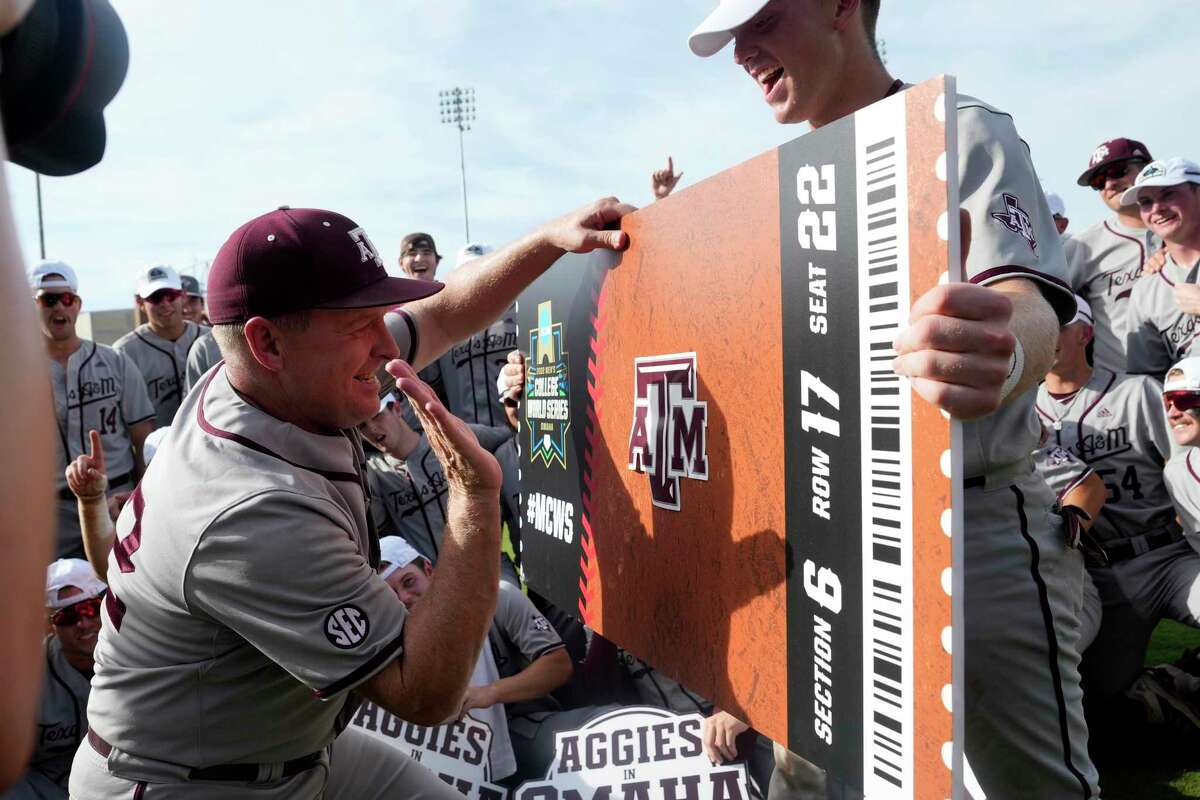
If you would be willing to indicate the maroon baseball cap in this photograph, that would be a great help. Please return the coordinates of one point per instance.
(294, 259)
(1110, 153)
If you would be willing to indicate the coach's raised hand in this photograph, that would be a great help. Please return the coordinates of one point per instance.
(469, 468)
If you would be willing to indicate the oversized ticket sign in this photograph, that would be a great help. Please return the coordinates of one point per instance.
(720, 471)
(637, 752)
(456, 752)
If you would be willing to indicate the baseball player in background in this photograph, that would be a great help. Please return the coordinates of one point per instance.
(160, 347)
(292, 623)
(1116, 425)
(409, 574)
(1104, 261)
(193, 301)
(204, 356)
(471, 367)
(976, 350)
(419, 259)
(526, 659)
(1058, 210)
(73, 596)
(409, 487)
(1164, 307)
(96, 388)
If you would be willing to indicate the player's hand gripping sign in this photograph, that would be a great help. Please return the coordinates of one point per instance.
(722, 473)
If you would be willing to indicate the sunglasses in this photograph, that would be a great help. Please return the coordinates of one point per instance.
(50, 299)
(168, 295)
(84, 609)
(1113, 172)
(1184, 401)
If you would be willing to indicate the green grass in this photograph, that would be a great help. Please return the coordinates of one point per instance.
(1153, 764)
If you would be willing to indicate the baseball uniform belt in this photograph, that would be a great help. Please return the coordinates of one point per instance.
(235, 773)
(113, 483)
(1125, 549)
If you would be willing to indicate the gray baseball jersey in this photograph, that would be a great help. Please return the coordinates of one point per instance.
(1060, 468)
(1026, 734)
(1116, 425)
(239, 616)
(62, 724)
(1182, 476)
(204, 356)
(518, 636)
(163, 364)
(408, 497)
(1103, 262)
(1012, 236)
(471, 367)
(100, 390)
(1159, 333)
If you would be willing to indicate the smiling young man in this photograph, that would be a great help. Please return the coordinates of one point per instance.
(245, 620)
(1104, 261)
(160, 347)
(1165, 307)
(73, 595)
(975, 350)
(95, 388)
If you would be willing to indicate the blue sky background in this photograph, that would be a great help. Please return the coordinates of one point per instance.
(233, 108)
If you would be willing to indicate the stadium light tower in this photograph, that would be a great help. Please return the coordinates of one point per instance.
(458, 108)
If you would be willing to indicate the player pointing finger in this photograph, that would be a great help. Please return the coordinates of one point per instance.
(86, 475)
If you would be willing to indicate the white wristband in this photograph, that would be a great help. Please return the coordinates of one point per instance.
(1016, 366)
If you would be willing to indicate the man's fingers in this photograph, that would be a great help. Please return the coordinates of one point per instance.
(954, 335)
(670, 166)
(960, 402)
(398, 369)
(985, 372)
(729, 748)
(603, 240)
(516, 357)
(94, 441)
(963, 301)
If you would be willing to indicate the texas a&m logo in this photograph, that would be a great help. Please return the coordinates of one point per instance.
(670, 425)
(1017, 220)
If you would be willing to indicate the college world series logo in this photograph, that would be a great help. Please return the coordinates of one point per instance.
(548, 391)
(670, 425)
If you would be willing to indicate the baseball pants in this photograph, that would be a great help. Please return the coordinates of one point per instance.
(355, 767)
(1136, 594)
(1025, 730)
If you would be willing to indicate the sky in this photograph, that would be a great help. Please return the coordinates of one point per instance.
(234, 107)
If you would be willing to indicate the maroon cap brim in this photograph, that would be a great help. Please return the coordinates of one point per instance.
(386, 292)
(1086, 178)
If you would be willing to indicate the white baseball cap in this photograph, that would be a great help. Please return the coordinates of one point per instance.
(386, 401)
(40, 280)
(397, 552)
(155, 278)
(152, 442)
(472, 251)
(1184, 376)
(71, 572)
(1057, 207)
(1171, 172)
(716, 30)
(1083, 312)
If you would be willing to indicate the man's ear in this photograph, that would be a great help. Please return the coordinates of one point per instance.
(428, 569)
(263, 340)
(845, 12)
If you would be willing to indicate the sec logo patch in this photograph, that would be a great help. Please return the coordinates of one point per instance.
(346, 627)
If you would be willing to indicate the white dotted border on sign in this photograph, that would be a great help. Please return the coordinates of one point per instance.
(943, 231)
